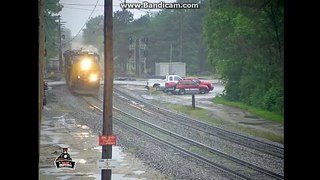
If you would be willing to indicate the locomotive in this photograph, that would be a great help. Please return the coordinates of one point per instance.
(82, 71)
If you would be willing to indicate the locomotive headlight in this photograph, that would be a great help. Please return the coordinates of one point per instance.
(93, 77)
(85, 64)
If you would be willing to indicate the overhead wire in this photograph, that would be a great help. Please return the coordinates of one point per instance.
(81, 9)
(85, 22)
(93, 10)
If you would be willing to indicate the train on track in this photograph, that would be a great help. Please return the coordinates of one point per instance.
(82, 71)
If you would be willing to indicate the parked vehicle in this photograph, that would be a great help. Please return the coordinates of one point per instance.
(207, 83)
(163, 84)
(189, 86)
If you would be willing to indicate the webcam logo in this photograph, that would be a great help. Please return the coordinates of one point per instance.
(64, 160)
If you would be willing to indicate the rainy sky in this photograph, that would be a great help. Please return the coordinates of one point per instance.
(76, 13)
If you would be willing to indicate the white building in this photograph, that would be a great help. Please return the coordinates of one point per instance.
(178, 68)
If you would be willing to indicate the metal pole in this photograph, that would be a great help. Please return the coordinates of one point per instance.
(108, 85)
(193, 102)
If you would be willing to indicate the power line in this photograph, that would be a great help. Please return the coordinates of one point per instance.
(116, 5)
(81, 4)
(81, 9)
(84, 23)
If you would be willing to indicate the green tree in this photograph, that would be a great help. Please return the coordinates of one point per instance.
(51, 8)
(93, 33)
(121, 33)
(245, 41)
(183, 29)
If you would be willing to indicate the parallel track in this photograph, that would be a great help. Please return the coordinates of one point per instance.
(240, 139)
(239, 168)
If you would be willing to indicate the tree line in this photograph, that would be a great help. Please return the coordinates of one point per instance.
(245, 46)
(241, 40)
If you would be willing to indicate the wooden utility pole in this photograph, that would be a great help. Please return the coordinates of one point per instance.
(180, 24)
(41, 56)
(108, 85)
(60, 45)
(41, 59)
(170, 64)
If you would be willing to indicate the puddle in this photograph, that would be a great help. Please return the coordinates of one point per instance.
(99, 148)
(54, 132)
(72, 152)
(81, 161)
(84, 127)
(138, 172)
(64, 177)
(81, 135)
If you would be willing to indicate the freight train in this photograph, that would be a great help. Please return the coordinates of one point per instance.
(82, 71)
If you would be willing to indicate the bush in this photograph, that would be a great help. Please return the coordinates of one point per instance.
(273, 100)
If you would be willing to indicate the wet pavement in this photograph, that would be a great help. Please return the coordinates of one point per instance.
(59, 130)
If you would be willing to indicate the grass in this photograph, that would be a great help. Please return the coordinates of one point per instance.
(204, 115)
(253, 110)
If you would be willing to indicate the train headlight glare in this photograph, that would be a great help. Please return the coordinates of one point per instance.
(85, 64)
(93, 77)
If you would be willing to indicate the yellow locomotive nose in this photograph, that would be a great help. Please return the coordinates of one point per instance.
(93, 77)
(85, 64)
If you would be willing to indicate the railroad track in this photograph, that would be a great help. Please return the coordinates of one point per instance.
(231, 165)
(236, 138)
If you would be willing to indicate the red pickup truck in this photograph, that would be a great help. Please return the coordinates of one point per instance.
(208, 84)
(189, 86)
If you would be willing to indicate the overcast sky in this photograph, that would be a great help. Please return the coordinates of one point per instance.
(76, 12)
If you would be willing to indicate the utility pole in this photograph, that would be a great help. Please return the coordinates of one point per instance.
(108, 85)
(180, 23)
(41, 60)
(131, 67)
(170, 64)
(136, 56)
(41, 56)
(139, 56)
(60, 44)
